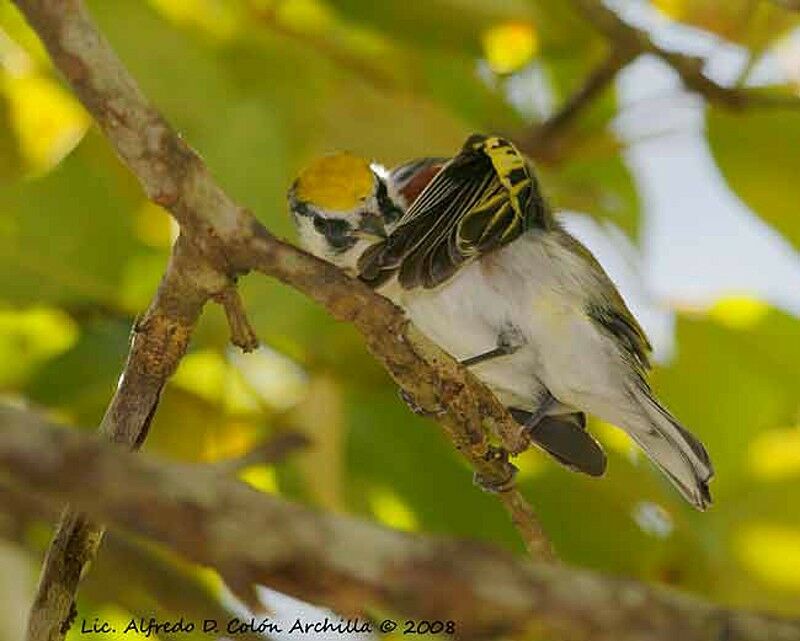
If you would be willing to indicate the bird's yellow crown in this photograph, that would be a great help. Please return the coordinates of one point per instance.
(339, 182)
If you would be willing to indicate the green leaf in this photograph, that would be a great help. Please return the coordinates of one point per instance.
(753, 24)
(757, 153)
(453, 81)
(80, 381)
(10, 160)
(728, 385)
(391, 451)
(67, 236)
(601, 187)
(731, 384)
(568, 503)
(435, 24)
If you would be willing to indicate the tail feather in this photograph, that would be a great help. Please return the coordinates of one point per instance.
(675, 450)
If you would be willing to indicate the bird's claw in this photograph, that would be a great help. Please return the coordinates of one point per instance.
(501, 483)
(418, 409)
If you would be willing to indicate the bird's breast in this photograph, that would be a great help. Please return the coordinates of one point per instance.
(462, 315)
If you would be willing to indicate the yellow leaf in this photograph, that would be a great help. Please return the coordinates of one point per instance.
(310, 16)
(389, 509)
(775, 455)
(675, 9)
(260, 477)
(30, 336)
(771, 552)
(47, 120)
(614, 438)
(154, 226)
(509, 46)
(219, 19)
(739, 312)
(208, 375)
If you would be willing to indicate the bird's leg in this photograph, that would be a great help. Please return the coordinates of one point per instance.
(547, 403)
(509, 341)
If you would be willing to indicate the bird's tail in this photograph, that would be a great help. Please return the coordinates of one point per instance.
(675, 450)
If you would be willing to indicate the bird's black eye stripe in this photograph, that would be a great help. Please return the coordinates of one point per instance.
(389, 210)
(331, 226)
(321, 225)
(302, 209)
(337, 232)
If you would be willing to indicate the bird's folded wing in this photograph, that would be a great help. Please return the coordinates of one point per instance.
(620, 323)
(465, 211)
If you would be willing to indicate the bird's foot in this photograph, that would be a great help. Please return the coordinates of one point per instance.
(502, 482)
(418, 409)
(546, 404)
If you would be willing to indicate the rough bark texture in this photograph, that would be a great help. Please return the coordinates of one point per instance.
(349, 565)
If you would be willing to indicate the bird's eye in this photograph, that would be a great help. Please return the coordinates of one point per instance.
(331, 227)
(321, 225)
(336, 231)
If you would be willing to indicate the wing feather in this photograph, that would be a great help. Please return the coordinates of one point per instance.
(480, 200)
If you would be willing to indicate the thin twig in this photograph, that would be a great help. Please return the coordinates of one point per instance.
(688, 67)
(242, 333)
(351, 566)
(542, 142)
(272, 451)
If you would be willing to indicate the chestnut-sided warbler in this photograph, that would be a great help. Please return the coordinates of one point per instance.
(474, 255)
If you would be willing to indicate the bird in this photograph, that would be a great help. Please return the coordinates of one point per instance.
(472, 252)
(342, 204)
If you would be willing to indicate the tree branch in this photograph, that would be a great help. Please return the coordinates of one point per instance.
(158, 342)
(543, 141)
(226, 241)
(151, 580)
(789, 5)
(689, 68)
(270, 452)
(352, 566)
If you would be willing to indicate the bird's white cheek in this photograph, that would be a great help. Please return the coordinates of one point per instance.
(315, 243)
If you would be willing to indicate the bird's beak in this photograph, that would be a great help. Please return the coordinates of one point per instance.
(372, 225)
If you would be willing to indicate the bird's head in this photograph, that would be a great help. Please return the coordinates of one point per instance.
(341, 204)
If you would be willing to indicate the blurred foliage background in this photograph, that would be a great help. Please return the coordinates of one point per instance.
(261, 86)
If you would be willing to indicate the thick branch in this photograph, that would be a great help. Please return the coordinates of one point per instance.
(353, 566)
(232, 240)
(158, 342)
(150, 577)
(689, 68)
